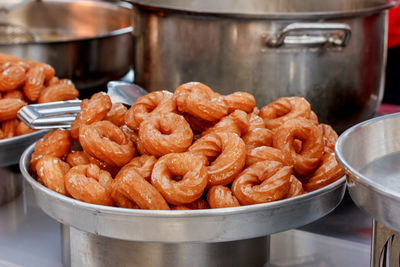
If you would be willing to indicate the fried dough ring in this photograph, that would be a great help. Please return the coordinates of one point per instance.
(9, 127)
(264, 181)
(263, 153)
(12, 76)
(240, 101)
(131, 190)
(296, 187)
(237, 122)
(227, 154)
(187, 166)
(56, 143)
(92, 110)
(22, 128)
(159, 101)
(284, 109)
(220, 196)
(166, 133)
(312, 144)
(257, 137)
(90, 184)
(106, 142)
(51, 171)
(9, 108)
(199, 204)
(200, 101)
(34, 83)
(58, 92)
(144, 165)
(329, 171)
(116, 114)
(329, 136)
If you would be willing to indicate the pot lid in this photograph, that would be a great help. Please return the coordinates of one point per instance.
(271, 8)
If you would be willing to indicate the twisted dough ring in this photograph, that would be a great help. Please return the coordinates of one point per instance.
(329, 136)
(239, 101)
(106, 142)
(312, 144)
(329, 171)
(159, 101)
(90, 184)
(257, 135)
(225, 151)
(51, 171)
(198, 204)
(187, 166)
(237, 122)
(220, 196)
(116, 114)
(264, 181)
(56, 143)
(283, 110)
(92, 110)
(166, 133)
(263, 153)
(200, 101)
(131, 190)
(296, 187)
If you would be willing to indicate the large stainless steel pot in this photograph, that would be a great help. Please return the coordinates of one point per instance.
(331, 52)
(89, 42)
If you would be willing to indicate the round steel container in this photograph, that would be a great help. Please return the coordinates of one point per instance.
(89, 42)
(330, 52)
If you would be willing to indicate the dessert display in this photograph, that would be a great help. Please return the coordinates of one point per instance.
(24, 82)
(191, 149)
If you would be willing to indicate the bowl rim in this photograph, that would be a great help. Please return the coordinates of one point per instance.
(24, 160)
(352, 172)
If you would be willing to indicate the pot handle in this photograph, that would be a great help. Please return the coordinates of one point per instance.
(314, 33)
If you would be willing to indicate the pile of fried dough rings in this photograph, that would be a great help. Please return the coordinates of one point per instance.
(191, 149)
(23, 82)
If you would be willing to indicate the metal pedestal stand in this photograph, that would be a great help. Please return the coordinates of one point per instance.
(86, 249)
(385, 246)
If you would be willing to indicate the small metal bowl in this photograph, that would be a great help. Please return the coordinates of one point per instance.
(370, 155)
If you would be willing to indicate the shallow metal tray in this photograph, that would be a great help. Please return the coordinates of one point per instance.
(212, 225)
(370, 154)
(12, 148)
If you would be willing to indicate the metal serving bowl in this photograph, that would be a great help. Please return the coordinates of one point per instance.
(89, 42)
(370, 155)
(10, 153)
(205, 226)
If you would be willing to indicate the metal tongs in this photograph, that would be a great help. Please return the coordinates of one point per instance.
(62, 113)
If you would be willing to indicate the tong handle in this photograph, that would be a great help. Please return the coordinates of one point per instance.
(50, 115)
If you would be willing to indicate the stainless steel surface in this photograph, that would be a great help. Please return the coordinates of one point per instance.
(370, 155)
(281, 9)
(10, 183)
(61, 114)
(385, 250)
(30, 238)
(215, 225)
(343, 83)
(11, 148)
(89, 42)
(93, 250)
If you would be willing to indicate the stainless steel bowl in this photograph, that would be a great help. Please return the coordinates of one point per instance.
(89, 42)
(370, 155)
(12, 148)
(205, 226)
